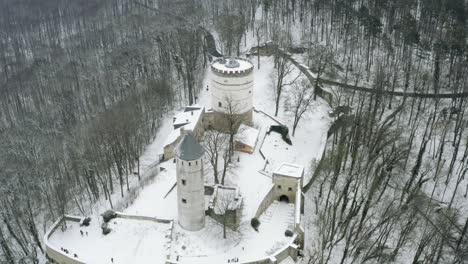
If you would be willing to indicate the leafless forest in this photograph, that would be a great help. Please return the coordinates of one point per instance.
(84, 85)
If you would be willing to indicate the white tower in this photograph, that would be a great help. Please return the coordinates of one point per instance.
(232, 83)
(190, 184)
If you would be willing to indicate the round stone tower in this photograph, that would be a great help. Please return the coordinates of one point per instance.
(232, 87)
(190, 184)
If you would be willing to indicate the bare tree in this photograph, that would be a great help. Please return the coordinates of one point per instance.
(299, 101)
(232, 119)
(279, 77)
(231, 28)
(216, 146)
(225, 203)
(258, 35)
(320, 60)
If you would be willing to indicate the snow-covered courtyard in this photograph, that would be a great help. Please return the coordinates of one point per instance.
(131, 241)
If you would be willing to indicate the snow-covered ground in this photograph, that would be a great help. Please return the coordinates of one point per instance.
(208, 245)
(131, 241)
(158, 198)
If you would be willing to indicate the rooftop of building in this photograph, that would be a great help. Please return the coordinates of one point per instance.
(290, 170)
(189, 148)
(247, 135)
(225, 198)
(231, 65)
(186, 120)
(189, 117)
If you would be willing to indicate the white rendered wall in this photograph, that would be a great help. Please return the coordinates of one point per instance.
(239, 89)
(192, 213)
(286, 183)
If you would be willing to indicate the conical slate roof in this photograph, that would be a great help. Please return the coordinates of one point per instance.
(189, 149)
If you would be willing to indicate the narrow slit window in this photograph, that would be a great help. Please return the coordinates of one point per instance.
(219, 104)
(190, 164)
(184, 201)
(184, 182)
(279, 186)
(290, 189)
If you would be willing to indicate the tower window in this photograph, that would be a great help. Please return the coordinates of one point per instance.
(184, 182)
(184, 201)
(279, 186)
(196, 162)
(219, 104)
(290, 189)
(190, 164)
(250, 91)
(182, 163)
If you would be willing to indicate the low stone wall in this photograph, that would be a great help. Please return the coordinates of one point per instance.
(267, 201)
(144, 218)
(55, 255)
(298, 209)
(290, 249)
(272, 118)
(171, 228)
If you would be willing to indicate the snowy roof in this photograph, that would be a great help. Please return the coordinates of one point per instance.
(188, 118)
(231, 65)
(173, 136)
(189, 149)
(247, 135)
(290, 170)
(225, 198)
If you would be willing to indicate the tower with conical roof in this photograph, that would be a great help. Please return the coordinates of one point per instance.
(190, 184)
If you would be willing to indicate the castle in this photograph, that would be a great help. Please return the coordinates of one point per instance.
(231, 97)
(231, 93)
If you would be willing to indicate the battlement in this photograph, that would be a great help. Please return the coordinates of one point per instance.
(232, 67)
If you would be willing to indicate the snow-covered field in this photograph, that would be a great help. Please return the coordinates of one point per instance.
(130, 241)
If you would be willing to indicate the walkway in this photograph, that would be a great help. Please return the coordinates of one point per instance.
(308, 72)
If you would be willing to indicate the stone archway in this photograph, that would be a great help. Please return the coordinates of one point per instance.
(284, 198)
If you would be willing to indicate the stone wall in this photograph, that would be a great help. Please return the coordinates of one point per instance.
(143, 218)
(288, 250)
(267, 201)
(55, 255)
(298, 210)
(217, 121)
(232, 218)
